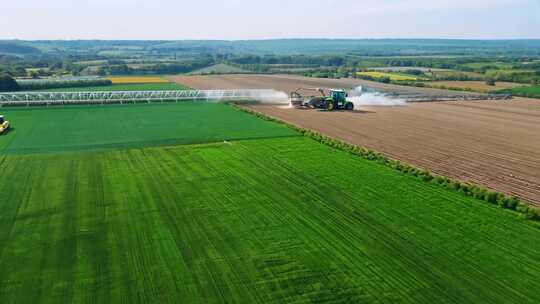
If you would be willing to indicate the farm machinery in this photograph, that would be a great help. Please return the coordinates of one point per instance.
(4, 125)
(336, 100)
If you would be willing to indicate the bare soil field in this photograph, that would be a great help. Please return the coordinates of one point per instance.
(479, 86)
(492, 143)
(288, 83)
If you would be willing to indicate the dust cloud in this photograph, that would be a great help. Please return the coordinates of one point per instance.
(360, 98)
(268, 96)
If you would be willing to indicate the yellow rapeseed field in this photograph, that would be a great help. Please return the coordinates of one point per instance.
(392, 76)
(137, 79)
(477, 86)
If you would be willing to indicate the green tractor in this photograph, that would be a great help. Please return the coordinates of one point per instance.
(336, 100)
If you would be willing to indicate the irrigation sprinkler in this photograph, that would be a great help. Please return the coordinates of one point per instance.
(65, 98)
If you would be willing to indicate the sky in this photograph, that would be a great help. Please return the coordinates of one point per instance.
(268, 19)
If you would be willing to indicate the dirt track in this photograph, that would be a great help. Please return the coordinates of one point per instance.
(493, 143)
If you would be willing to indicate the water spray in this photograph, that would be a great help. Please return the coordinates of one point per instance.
(269, 96)
(98, 97)
(361, 97)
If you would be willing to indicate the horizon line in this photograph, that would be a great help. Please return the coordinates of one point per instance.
(270, 39)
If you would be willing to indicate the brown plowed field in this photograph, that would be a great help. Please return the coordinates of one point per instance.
(493, 143)
(479, 86)
(290, 83)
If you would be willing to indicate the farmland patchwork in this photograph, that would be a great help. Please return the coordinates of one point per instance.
(101, 207)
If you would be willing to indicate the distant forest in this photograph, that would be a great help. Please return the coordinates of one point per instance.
(363, 47)
(508, 60)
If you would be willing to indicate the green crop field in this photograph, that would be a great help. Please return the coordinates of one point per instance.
(124, 87)
(114, 126)
(480, 65)
(268, 218)
(529, 91)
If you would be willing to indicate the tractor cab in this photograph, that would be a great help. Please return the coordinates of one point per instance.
(338, 100)
(339, 95)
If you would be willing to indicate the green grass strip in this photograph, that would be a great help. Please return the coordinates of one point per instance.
(95, 127)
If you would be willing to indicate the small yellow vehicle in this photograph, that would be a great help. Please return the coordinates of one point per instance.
(4, 125)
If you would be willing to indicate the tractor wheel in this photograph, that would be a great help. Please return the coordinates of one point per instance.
(349, 106)
(329, 105)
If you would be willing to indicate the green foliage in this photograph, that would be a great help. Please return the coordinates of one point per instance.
(385, 79)
(415, 72)
(7, 83)
(378, 79)
(35, 85)
(526, 91)
(492, 197)
(326, 60)
(519, 76)
(125, 87)
(8, 47)
(185, 66)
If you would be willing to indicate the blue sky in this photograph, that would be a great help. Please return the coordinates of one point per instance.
(261, 19)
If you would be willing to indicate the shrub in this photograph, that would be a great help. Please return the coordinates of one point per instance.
(8, 84)
(465, 189)
(439, 180)
(512, 203)
(523, 208)
(385, 79)
(478, 192)
(503, 203)
(528, 212)
(490, 82)
(456, 185)
(427, 177)
(492, 197)
(58, 84)
(414, 72)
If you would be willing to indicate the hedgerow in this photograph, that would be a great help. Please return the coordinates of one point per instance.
(31, 85)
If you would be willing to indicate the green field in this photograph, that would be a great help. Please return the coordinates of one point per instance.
(124, 87)
(267, 218)
(481, 65)
(528, 91)
(121, 126)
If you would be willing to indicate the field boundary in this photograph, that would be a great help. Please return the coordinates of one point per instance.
(480, 193)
